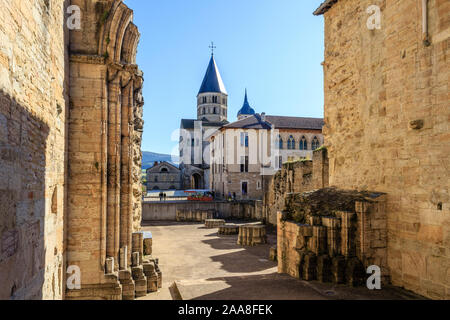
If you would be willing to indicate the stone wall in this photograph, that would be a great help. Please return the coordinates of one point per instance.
(105, 132)
(167, 211)
(336, 240)
(33, 127)
(70, 133)
(387, 127)
(294, 177)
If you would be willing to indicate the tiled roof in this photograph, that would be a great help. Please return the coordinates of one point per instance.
(278, 122)
(253, 122)
(189, 123)
(281, 122)
(324, 7)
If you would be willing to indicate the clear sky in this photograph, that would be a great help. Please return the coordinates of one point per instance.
(271, 47)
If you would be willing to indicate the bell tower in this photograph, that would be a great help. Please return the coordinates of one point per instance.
(212, 98)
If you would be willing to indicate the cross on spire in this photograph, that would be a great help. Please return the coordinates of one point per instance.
(212, 47)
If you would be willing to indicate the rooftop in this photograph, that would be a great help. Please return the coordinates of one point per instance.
(212, 82)
(278, 122)
(324, 7)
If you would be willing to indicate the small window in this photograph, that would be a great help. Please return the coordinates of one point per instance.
(204, 100)
(244, 139)
(315, 144)
(192, 142)
(215, 110)
(280, 142)
(291, 143)
(303, 144)
(258, 185)
(280, 162)
(244, 164)
(244, 188)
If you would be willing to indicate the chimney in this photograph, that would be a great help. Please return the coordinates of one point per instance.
(263, 116)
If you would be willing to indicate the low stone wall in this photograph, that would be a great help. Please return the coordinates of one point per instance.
(194, 215)
(167, 211)
(335, 248)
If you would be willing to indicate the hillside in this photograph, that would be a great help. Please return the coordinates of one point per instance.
(148, 158)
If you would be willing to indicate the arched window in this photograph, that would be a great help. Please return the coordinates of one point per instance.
(315, 143)
(303, 144)
(204, 99)
(280, 142)
(215, 110)
(291, 143)
(214, 99)
(164, 170)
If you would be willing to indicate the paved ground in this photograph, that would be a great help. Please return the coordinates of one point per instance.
(207, 266)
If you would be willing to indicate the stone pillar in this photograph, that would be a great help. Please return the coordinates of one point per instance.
(109, 265)
(138, 245)
(126, 208)
(123, 263)
(347, 233)
(113, 169)
(319, 240)
(333, 235)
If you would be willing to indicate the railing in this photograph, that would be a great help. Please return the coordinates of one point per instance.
(158, 199)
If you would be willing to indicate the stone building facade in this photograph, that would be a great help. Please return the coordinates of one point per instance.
(245, 154)
(71, 128)
(163, 176)
(387, 115)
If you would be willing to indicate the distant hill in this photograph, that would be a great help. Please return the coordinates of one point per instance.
(149, 158)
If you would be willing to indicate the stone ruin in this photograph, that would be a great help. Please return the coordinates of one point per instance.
(186, 215)
(333, 235)
(214, 223)
(252, 235)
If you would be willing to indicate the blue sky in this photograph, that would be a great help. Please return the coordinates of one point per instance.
(273, 48)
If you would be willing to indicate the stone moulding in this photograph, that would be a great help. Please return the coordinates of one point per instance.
(89, 59)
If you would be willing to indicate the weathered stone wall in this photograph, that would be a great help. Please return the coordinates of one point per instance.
(294, 177)
(32, 149)
(70, 134)
(333, 245)
(387, 128)
(105, 132)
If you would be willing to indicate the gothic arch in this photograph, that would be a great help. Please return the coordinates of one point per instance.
(112, 34)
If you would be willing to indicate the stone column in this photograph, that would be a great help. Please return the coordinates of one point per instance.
(113, 170)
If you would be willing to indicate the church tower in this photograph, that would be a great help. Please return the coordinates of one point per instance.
(212, 99)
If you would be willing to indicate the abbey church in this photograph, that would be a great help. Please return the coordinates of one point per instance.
(287, 139)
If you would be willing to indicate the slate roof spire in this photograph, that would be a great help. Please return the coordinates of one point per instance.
(246, 109)
(212, 82)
